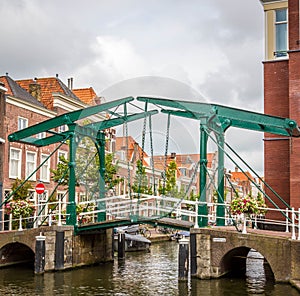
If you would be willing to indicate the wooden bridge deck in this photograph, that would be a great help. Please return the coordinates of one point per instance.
(164, 222)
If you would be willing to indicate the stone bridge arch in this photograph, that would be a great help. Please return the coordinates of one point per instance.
(220, 251)
(235, 262)
(16, 253)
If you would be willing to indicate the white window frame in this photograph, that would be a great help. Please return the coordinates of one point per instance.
(19, 162)
(7, 192)
(278, 54)
(28, 162)
(62, 153)
(45, 166)
(62, 128)
(22, 123)
(32, 195)
(41, 135)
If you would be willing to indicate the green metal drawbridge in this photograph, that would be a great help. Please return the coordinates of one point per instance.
(212, 118)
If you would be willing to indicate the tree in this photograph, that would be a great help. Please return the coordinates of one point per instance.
(61, 174)
(20, 193)
(111, 169)
(140, 184)
(87, 169)
(170, 181)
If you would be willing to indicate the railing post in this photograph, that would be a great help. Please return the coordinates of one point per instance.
(59, 212)
(20, 223)
(287, 220)
(244, 224)
(293, 224)
(298, 223)
(196, 216)
(10, 222)
(35, 224)
(50, 219)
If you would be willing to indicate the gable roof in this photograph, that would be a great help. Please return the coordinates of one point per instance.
(240, 177)
(86, 95)
(135, 152)
(15, 90)
(182, 160)
(49, 86)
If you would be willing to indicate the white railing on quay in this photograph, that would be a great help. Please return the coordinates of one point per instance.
(148, 206)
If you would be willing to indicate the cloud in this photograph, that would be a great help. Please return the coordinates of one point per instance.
(213, 49)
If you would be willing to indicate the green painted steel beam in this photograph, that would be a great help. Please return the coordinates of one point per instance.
(64, 119)
(102, 125)
(45, 141)
(234, 117)
(90, 130)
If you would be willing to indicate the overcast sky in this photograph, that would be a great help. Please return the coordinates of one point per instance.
(209, 51)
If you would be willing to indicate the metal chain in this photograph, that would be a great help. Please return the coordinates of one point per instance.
(127, 150)
(152, 154)
(166, 151)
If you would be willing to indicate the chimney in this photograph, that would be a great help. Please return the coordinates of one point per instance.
(173, 155)
(35, 90)
(236, 169)
(70, 83)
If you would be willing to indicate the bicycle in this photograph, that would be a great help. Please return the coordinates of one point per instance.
(143, 230)
(164, 230)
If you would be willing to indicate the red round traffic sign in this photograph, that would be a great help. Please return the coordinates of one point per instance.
(39, 188)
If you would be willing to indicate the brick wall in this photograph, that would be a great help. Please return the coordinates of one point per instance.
(276, 102)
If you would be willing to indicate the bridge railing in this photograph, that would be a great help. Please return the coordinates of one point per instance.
(151, 207)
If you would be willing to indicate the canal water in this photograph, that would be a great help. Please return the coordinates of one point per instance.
(153, 273)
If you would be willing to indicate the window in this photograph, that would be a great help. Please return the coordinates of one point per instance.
(22, 123)
(7, 194)
(183, 171)
(43, 197)
(62, 128)
(281, 33)
(45, 169)
(31, 195)
(41, 135)
(62, 153)
(15, 163)
(31, 165)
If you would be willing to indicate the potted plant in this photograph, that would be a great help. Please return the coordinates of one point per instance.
(247, 205)
(19, 206)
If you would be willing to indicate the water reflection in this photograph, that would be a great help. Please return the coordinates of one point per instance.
(153, 273)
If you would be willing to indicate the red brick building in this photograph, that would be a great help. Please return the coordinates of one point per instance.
(282, 96)
(25, 103)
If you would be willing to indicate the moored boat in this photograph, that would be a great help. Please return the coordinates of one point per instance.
(133, 242)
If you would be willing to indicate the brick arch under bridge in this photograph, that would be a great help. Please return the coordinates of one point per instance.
(219, 251)
(17, 247)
